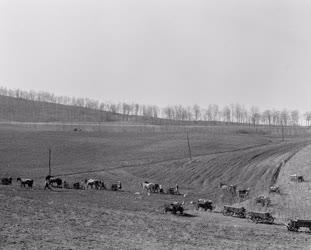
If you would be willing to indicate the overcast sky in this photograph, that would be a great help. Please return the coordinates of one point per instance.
(161, 51)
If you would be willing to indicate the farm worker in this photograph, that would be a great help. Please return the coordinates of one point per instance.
(176, 188)
(119, 185)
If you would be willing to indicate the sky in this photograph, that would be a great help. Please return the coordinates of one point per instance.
(162, 52)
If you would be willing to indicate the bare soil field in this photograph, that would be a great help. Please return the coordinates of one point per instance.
(100, 219)
(294, 201)
(71, 219)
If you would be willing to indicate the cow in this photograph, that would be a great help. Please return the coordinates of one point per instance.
(24, 182)
(6, 181)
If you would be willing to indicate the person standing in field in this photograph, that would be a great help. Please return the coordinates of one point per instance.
(177, 189)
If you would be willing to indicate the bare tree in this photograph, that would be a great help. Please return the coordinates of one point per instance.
(196, 112)
(255, 115)
(226, 112)
(267, 117)
(294, 117)
(285, 117)
(307, 116)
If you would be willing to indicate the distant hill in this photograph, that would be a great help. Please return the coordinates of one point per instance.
(21, 110)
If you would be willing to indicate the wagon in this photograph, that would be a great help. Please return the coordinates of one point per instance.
(6, 181)
(260, 217)
(204, 204)
(294, 225)
(174, 208)
(234, 211)
(172, 191)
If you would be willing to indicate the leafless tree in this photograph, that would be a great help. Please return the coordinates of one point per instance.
(255, 115)
(196, 112)
(294, 117)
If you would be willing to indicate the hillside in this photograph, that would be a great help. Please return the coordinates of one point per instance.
(21, 110)
(156, 153)
(80, 219)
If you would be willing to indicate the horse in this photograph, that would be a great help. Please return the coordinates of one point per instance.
(93, 183)
(148, 186)
(156, 188)
(243, 193)
(24, 182)
(53, 180)
(116, 186)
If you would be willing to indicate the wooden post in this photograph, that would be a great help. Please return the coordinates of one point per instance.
(50, 152)
(189, 146)
(282, 131)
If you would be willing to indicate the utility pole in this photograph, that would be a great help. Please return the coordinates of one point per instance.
(189, 147)
(282, 131)
(50, 152)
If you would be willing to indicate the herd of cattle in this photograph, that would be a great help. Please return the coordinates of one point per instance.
(175, 207)
(52, 181)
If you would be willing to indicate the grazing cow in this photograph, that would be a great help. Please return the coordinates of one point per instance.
(243, 193)
(6, 181)
(24, 182)
(274, 189)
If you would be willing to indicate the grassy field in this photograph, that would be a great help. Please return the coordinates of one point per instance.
(72, 219)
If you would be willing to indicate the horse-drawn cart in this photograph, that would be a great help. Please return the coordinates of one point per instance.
(174, 208)
(234, 211)
(294, 225)
(260, 217)
(204, 204)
